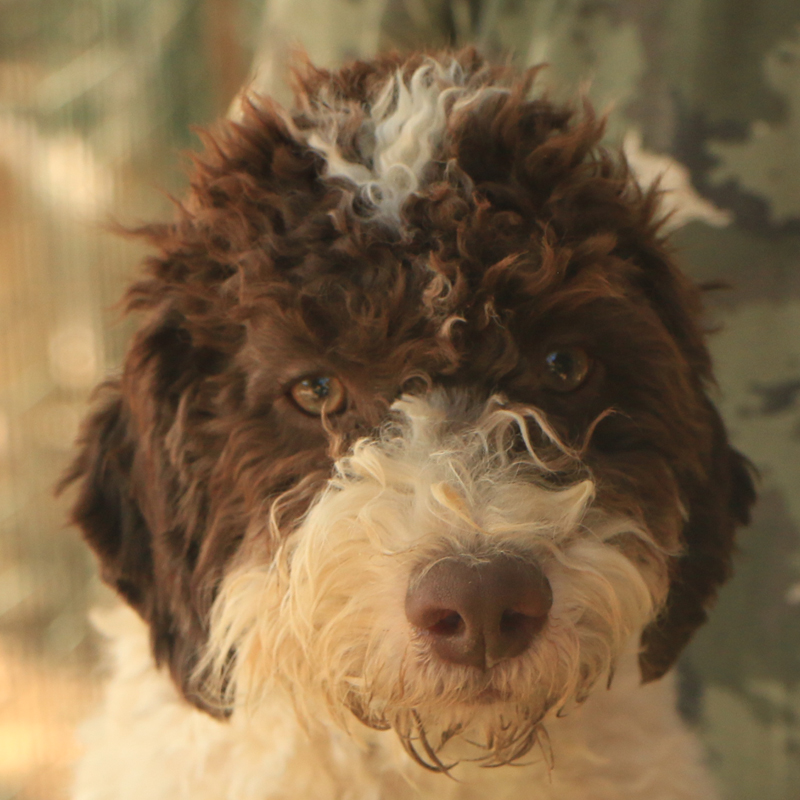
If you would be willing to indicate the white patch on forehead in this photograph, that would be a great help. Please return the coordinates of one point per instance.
(399, 135)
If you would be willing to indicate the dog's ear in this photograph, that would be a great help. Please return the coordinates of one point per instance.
(133, 475)
(716, 507)
(106, 509)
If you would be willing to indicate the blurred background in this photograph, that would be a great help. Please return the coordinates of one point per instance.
(97, 103)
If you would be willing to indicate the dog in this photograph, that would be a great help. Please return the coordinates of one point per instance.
(411, 469)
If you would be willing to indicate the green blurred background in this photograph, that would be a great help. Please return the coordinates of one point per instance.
(97, 101)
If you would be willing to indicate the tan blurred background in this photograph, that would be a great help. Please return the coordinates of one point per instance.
(97, 100)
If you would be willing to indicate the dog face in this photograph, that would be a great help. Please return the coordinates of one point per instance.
(416, 424)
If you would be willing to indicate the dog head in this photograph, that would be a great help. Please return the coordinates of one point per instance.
(416, 423)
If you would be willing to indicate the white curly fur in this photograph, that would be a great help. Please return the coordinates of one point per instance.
(324, 621)
(320, 631)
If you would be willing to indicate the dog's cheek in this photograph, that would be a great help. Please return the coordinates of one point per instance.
(312, 618)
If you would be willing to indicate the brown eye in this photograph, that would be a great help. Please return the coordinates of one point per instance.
(322, 393)
(566, 368)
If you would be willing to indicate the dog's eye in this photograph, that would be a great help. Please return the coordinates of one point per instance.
(320, 394)
(566, 368)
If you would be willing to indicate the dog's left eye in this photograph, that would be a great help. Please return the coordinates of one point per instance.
(566, 368)
(320, 394)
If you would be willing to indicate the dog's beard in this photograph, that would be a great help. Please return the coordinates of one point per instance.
(324, 622)
(446, 713)
(490, 736)
(483, 718)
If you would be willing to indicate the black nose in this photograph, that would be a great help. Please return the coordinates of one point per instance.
(477, 613)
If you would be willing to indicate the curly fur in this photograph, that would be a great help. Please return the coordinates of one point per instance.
(426, 230)
(326, 612)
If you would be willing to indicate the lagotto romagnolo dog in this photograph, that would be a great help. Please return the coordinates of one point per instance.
(411, 468)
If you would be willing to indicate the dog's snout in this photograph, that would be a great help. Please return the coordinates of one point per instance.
(479, 612)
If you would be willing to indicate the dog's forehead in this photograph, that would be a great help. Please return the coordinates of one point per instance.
(449, 195)
(371, 309)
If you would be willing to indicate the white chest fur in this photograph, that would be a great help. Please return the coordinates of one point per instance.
(146, 743)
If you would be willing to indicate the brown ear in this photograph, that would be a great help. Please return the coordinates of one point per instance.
(106, 509)
(716, 506)
(131, 492)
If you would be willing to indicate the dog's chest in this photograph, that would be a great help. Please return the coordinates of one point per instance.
(147, 743)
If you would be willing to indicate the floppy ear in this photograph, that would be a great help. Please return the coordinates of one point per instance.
(107, 510)
(133, 485)
(716, 507)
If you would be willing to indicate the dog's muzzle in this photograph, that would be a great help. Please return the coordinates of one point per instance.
(479, 611)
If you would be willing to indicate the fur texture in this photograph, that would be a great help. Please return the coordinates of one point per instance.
(520, 372)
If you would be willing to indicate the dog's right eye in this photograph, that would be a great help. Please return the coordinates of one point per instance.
(321, 394)
(566, 368)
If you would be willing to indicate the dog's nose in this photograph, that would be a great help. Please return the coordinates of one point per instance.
(478, 612)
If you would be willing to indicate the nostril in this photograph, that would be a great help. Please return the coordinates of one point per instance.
(450, 624)
(513, 621)
(517, 625)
